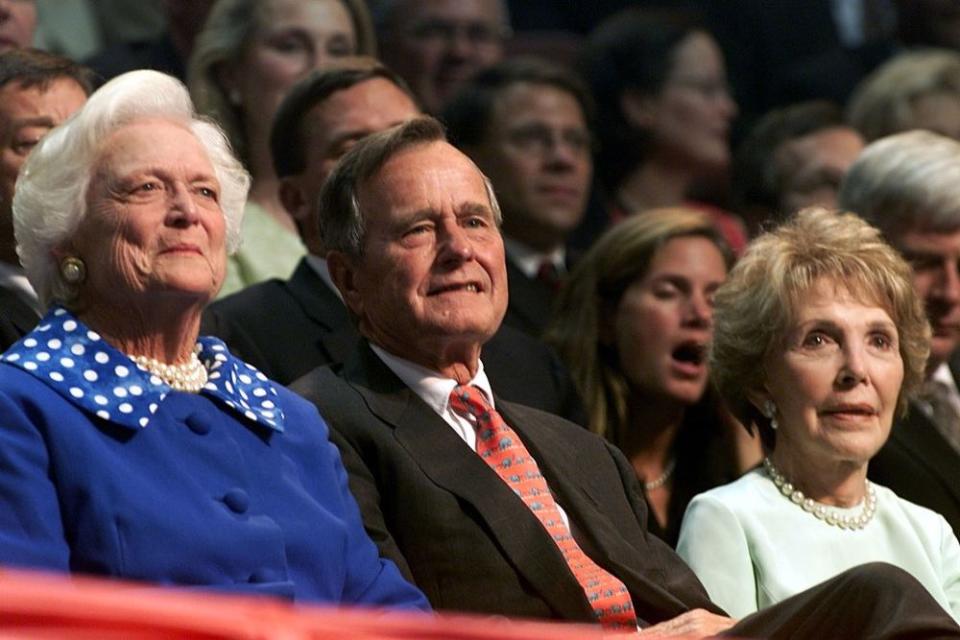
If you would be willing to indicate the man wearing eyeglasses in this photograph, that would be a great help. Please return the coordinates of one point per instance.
(525, 124)
(436, 45)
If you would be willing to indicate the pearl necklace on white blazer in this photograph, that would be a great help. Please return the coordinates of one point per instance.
(822, 511)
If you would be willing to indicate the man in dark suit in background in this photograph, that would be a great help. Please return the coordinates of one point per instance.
(906, 185)
(488, 505)
(525, 122)
(38, 91)
(286, 328)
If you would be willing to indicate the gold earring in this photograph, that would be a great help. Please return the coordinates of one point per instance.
(73, 270)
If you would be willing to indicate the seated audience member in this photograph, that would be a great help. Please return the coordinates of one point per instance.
(491, 506)
(130, 447)
(526, 124)
(436, 45)
(913, 90)
(908, 186)
(633, 324)
(819, 341)
(288, 327)
(38, 91)
(663, 113)
(247, 57)
(792, 158)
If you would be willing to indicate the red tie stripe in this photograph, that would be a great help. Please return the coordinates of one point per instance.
(499, 446)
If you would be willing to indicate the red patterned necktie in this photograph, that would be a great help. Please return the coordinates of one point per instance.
(499, 446)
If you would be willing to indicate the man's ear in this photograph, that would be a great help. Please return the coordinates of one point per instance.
(343, 272)
(638, 109)
(291, 196)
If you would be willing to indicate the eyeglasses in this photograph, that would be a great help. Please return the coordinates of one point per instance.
(541, 139)
(478, 34)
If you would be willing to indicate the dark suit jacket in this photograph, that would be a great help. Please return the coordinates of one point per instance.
(453, 526)
(920, 465)
(17, 318)
(286, 328)
(531, 302)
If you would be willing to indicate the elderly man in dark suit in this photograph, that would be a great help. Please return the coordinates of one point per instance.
(908, 186)
(286, 328)
(488, 505)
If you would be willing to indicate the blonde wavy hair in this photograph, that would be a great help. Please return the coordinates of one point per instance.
(756, 306)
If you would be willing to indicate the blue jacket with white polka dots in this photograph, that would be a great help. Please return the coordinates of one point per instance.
(104, 469)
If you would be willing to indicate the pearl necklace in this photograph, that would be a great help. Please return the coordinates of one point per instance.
(822, 511)
(658, 482)
(190, 376)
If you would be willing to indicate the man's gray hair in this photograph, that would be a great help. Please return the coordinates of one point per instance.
(906, 181)
(51, 194)
(341, 221)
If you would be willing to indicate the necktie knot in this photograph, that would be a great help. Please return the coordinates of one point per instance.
(469, 399)
(944, 411)
(549, 274)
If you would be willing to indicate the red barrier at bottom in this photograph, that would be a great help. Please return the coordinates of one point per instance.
(41, 606)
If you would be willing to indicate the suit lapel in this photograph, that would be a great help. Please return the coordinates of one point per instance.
(920, 436)
(339, 337)
(530, 300)
(596, 532)
(452, 465)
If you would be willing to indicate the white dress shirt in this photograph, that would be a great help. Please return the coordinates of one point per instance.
(435, 389)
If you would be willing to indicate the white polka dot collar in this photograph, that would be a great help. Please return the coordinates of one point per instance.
(81, 366)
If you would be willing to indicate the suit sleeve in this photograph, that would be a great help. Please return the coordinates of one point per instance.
(363, 486)
(371, 579)
(714, 544)
(678, 579)
(31, 529)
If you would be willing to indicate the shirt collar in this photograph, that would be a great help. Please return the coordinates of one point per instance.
(432, 387)
(81, 366)
(529, 260)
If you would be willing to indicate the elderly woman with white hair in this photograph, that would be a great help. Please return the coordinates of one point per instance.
(130, 447)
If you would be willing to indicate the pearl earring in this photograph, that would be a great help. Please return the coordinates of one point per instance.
(73, 270)
(770, 411)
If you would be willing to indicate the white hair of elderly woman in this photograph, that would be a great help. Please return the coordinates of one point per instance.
(50, 199)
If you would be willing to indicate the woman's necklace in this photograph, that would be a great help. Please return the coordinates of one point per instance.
(822, 511)
(190, 376)
(662, 479)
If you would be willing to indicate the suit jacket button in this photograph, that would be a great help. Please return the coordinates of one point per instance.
(237, 500)
(198, 425)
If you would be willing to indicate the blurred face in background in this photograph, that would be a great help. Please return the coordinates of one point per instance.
(330, 129)
(537, 153)
(26, 115)
(689, 120)
(935, 258)
(18, 21)
(435, 45)
(292, 38)
(813, 166)
(664, 321)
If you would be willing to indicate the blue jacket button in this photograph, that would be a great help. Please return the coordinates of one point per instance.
(237, 500)
(198, 425)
